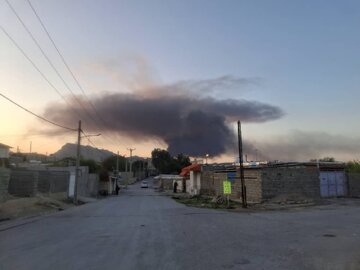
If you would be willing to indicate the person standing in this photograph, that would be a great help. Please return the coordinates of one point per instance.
(175, 186)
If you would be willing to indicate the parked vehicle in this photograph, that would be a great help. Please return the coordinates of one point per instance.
(144, 184)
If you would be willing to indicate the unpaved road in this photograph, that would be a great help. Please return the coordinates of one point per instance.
(141, 229)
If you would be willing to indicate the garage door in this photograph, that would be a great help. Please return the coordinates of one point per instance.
(332, 184)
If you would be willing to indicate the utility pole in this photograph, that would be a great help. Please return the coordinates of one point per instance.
(117, 170)
(117, 163)
(125, 163)
(131, 150)
(242, 179)
(30, 146)
(77, 164)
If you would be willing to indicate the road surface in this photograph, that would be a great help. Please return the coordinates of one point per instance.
(142, 229)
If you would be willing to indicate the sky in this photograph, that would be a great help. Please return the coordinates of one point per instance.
(299, 58)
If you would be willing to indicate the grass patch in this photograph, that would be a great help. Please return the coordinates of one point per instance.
(206, 202)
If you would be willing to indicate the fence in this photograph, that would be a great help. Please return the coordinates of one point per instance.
(4, 183)
(26, 183)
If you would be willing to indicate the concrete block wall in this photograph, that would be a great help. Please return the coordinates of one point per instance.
(290, 181)
(52, 181)
(252, 183)
(218, 183)
(23, 183)
(93, 185)
(207, 186)
(354, 184)
(26, 183)
(59, 181)
(43, 185)
(4, 184)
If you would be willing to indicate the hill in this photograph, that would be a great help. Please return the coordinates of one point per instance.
(86, 151)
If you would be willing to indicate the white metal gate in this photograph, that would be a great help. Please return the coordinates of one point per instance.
(332, 184)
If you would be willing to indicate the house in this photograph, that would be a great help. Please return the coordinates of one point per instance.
(4, 150)
(165, 181)
(307, 180)
(192, 182)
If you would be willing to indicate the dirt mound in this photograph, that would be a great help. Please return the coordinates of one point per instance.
(25, 207)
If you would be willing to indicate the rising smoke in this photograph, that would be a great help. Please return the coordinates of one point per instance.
(180, 114)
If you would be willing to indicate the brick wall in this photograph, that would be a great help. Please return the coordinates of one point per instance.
(354, 184)
(4, 184)
(290, 181)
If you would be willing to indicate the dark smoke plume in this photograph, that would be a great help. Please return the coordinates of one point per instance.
(305, 145)
(187, 123)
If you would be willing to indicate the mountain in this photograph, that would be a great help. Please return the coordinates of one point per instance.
(86, 152)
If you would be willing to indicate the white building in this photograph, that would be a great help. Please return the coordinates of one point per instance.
(4, 150)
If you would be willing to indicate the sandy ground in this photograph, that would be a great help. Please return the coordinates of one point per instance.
(33, 206)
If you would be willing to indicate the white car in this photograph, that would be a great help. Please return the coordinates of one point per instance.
(144, 184)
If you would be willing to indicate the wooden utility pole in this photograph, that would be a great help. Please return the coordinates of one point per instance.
(242, 179)
(77, 164)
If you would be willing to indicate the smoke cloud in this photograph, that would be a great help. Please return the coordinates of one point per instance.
(300, 145)
(186, 120)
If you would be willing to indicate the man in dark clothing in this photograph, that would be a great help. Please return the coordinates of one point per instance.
(117, 189)
(175, 186)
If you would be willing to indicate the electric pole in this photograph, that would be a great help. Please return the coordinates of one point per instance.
(242, 178)
(117, 169)
(131, 150)
(77, 164)
(126, 164)
(117, 163)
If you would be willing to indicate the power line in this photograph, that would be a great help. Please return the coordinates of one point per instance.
(38, 116)
(64, 61)
(48, 59)
(32, 62)
(68, 67)
(87, 137)
(39, 71)
(52, 65)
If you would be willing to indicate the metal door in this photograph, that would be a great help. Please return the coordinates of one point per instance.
(332, 184)
(324, 189)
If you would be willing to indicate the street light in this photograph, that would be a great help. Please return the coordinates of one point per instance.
(206, 157)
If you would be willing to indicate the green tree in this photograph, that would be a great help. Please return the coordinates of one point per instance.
(324, 159)
(138, 165)
(183, 160)
(353, 166)
(109, 163)
(327, 159)
(94, 167)
(165, 163)
(161, 160)
(65, 162)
